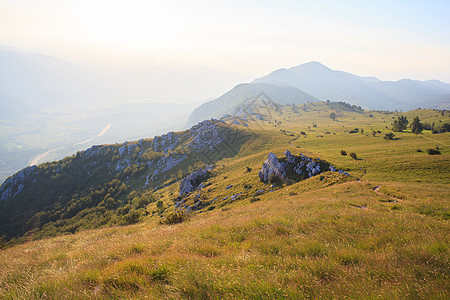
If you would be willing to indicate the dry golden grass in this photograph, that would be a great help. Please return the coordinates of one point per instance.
(314, 244)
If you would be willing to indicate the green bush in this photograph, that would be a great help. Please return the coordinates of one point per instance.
(433, 151)
(343, 152)
(175, 217)
(131, 218)
(353, 155)
(389, 136)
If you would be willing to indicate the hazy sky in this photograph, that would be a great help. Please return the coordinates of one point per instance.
(388, 39)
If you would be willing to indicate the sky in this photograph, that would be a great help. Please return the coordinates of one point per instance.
(387, 39)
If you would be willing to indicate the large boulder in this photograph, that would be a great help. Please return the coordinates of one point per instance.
(292, 168)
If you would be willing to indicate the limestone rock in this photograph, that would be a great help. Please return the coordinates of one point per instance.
(272, 166)
(292, 168)
(193, 180)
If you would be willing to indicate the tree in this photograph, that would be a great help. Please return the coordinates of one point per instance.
(416, 126)
(400, 124)
(333, 116)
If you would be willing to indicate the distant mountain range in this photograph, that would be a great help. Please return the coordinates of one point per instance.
(313, 82)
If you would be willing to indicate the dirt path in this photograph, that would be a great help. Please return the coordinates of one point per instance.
(296, 137)
(440, 143)
(377, 190)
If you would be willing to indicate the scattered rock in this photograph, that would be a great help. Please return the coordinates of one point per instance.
(234, 197)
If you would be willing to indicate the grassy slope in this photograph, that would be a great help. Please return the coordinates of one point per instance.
(310, 239)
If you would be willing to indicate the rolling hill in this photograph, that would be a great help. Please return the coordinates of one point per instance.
(378, 228)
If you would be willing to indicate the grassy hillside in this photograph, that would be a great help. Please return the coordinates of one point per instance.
(381, 232)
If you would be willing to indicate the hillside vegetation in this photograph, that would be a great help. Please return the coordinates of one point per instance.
(381, 232)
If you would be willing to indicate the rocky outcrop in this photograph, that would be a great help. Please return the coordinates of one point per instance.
(14, 185)
(293, 168)
(165, 142)
(206, 135)
(273, 167)
(193, 180)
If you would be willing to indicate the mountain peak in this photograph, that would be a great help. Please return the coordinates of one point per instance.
(312, 65)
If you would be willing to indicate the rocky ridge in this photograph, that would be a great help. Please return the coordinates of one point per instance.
(150, 161)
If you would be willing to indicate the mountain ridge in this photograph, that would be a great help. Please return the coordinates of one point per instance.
(317, 82)
(326, 84)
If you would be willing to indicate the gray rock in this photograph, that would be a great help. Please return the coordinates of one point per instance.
(165, 142)
(273, 166)
(295, 166)
(234, 197)
(290, 158)
(192, 181)
(206, 135)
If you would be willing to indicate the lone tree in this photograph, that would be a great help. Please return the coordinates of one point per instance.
(416, 126)
(400, 124)
(333, 116)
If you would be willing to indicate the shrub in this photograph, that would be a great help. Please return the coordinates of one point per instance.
(174, 218)
(389, 136)
(131, 218)
(343, 152)
(159, 204)
(353, 155)
(433, 151)
(247, 186)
